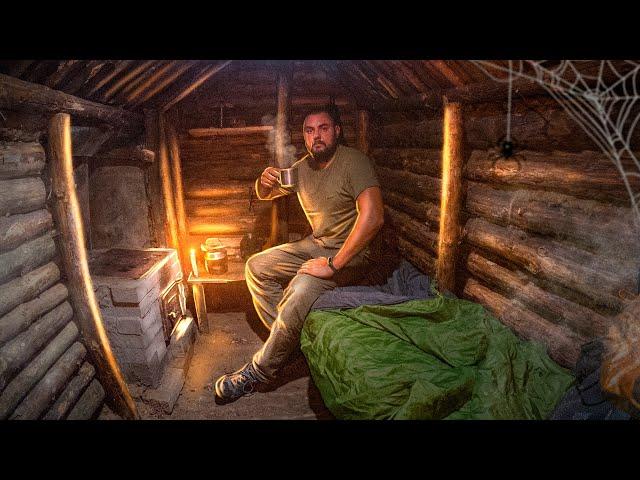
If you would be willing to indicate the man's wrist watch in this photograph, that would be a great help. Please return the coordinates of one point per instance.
(331, 266)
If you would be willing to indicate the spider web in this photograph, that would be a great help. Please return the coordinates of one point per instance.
(602, 97)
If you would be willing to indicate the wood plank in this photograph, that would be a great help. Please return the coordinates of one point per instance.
(221, 132)
(200, 79)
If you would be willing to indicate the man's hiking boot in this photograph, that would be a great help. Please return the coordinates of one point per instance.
(232, 386)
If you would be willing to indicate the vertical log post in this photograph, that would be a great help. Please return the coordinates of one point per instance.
(74, 259)
(362, 131)
(451, 196)
(167, 184)
(152, 181)
(178, 192)
(279, 206)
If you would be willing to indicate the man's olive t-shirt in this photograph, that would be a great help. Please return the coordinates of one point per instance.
(328, 196)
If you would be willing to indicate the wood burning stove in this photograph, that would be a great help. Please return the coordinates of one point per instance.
(142, 299)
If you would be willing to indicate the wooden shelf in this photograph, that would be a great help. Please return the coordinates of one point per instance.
(234, 273)
(222, 132)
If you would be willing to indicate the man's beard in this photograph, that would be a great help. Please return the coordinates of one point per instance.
(324, 155)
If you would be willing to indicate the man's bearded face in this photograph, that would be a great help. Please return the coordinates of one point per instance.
(320, 136)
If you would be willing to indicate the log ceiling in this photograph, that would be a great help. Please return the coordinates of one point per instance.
(137, 84)
(160, 84)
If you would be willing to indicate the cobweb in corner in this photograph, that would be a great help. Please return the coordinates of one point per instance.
(601, 96)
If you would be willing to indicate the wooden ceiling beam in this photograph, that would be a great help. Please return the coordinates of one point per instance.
(200, 79)
(117, 68)
(52, 81)
(475, 93)
(91, 69)
(129, 76)
(447, 72)
(16, 94)
(180, 69)
(149, 82)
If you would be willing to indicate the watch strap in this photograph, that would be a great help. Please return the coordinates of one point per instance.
(331, 266)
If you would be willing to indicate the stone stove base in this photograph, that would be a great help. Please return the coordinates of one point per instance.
(129, 285)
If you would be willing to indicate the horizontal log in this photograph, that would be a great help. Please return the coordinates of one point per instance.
(412, 230)
(587, 175)
(219, 172)
(32, 373)
(418, 256)
(21, 317)
(196, 159)
(594, 276)
(49, 386)
(425, 161)
(21, 195)
(223, 132)
(19, 159)
(595, 225)
(419, 187)
(89, 403)
(26, 257)
(18, 351)
(9, 134)
(620, 370)
(519, 286)
(422, 210)
(228, 225)
(485, 91)
(257, 139)
(202, 189)
(17, 94)
(71, 393)
(17, 229)
(530, 130)
(226, 208)
(562, 345)
(24, 288)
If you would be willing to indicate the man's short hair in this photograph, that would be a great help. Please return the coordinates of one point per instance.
(333, 111)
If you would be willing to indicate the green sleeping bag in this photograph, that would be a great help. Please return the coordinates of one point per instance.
(428, 359)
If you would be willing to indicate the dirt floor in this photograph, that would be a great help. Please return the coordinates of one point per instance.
(234, 337)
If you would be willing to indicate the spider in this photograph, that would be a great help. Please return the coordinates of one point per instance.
(507, 150)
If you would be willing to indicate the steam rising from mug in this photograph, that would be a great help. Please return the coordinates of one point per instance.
(289, 151)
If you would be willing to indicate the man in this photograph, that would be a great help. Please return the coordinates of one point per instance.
(340, 195)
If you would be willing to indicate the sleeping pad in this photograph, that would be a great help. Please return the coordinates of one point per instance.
(437, 358)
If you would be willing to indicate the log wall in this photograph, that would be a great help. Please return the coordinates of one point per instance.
(44, 369)
(219, 172)
(549, 242)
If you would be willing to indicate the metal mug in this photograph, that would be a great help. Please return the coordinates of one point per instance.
(288, 177)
